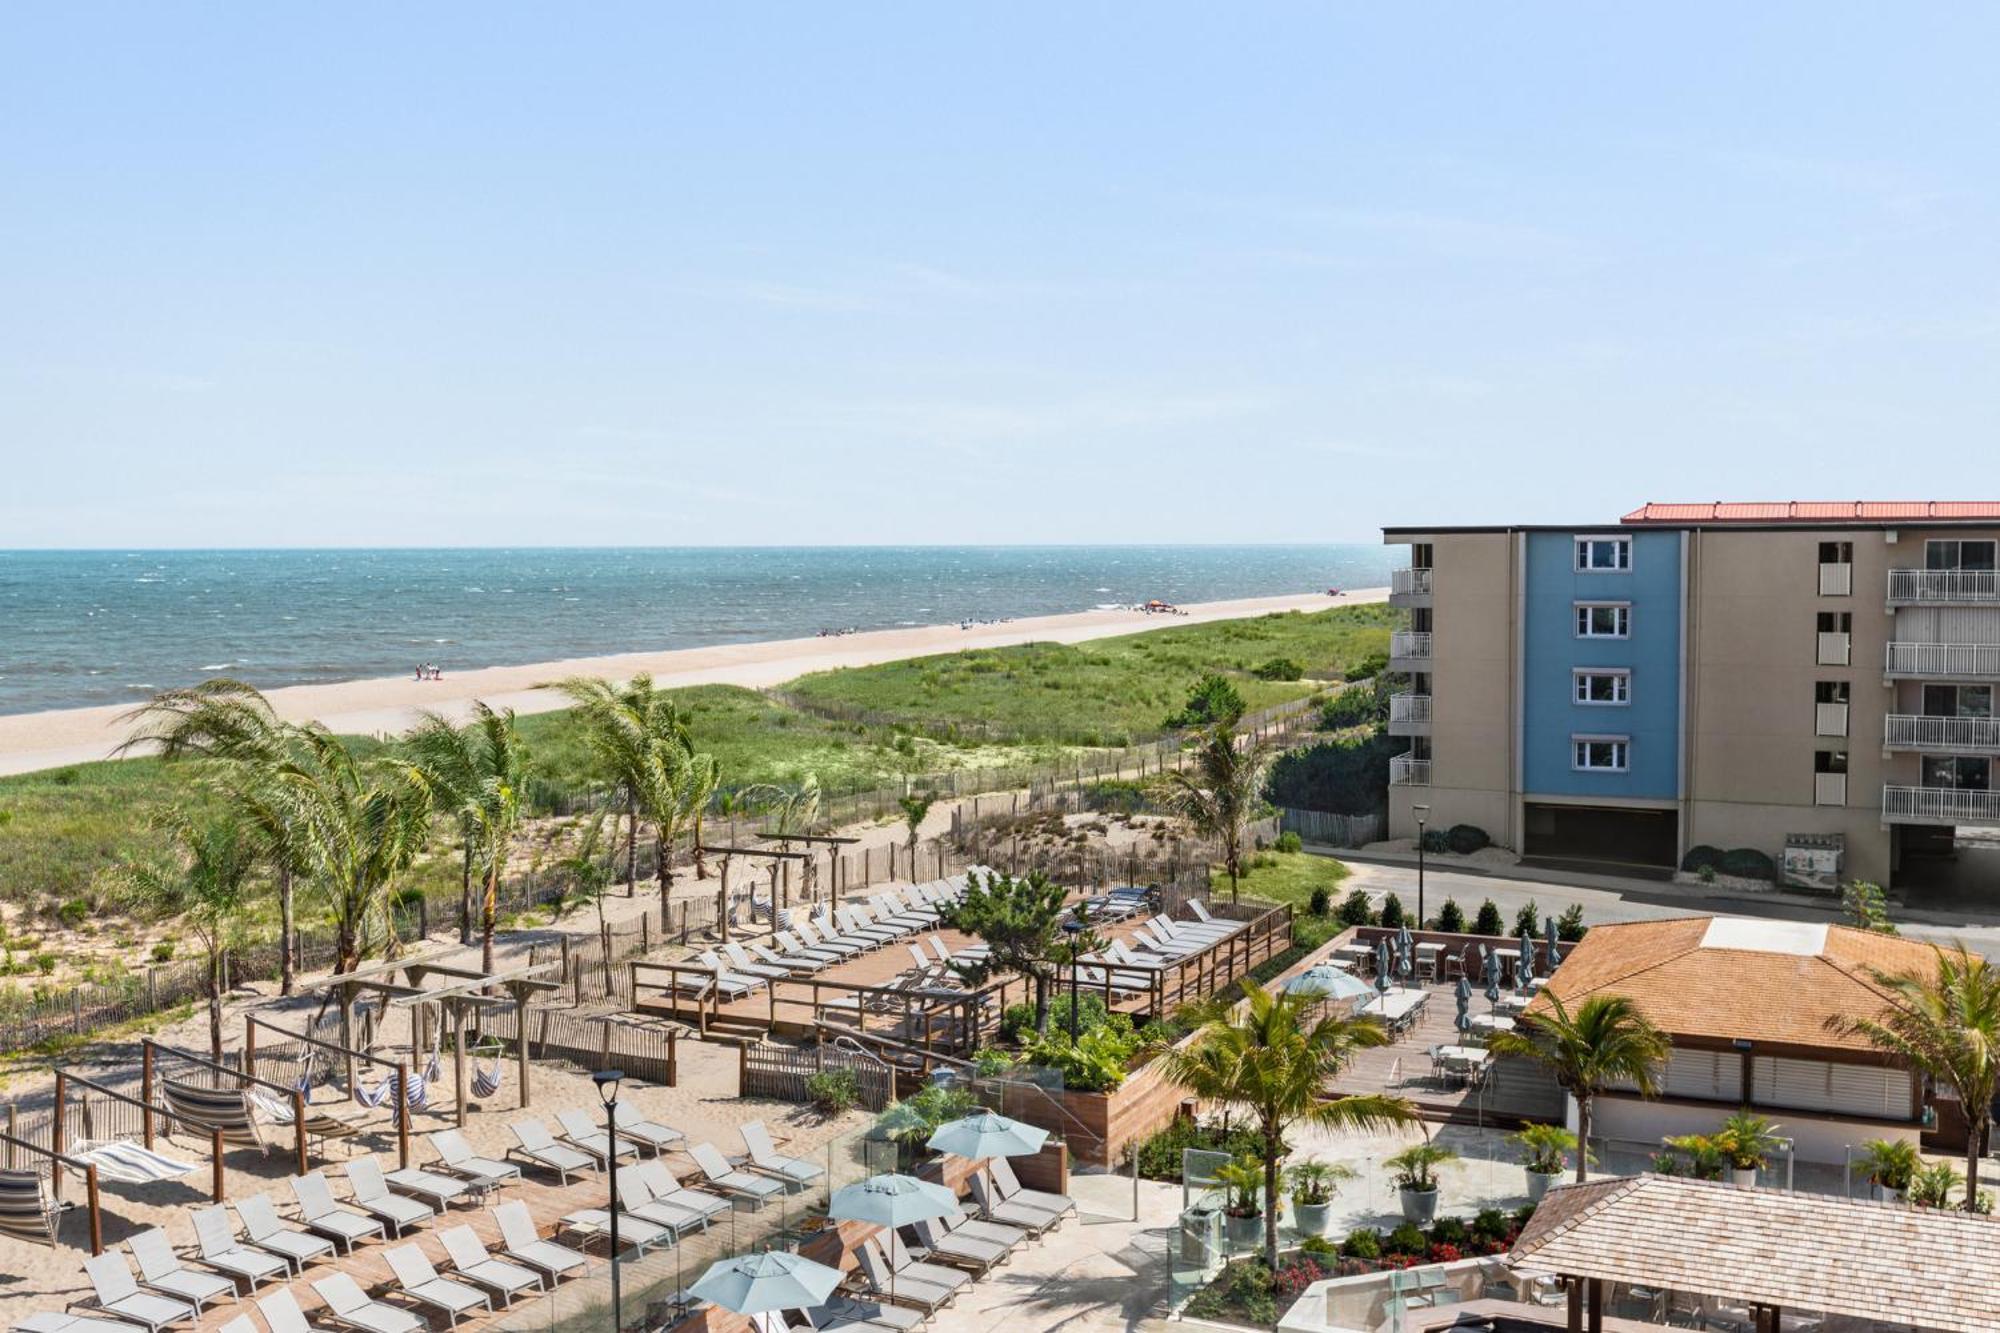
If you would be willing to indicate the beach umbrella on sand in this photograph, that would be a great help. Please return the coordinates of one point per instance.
(891, 1201)
(1554, 955)
(1464, 993)
(756, 1283)
(1382, 964)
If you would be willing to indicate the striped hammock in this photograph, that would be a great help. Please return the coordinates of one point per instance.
(210, 1109)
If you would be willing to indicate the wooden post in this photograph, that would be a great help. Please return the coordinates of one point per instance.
(56, 1133)
(250, 1046)
(216, 1190)
(521, 1034)
(346, 992)
(1575, 1304)
(145, 1094)
(673, 1058)
(96, 1214)
(458, 1058)
(299, 1129)
(402, 1095)
(645, 937)
(11, 1134)
(1597, 1305)
(742, 1066)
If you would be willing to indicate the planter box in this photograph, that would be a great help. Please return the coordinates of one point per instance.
(1096, 1125)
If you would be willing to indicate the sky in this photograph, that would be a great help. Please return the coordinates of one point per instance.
(654, 274)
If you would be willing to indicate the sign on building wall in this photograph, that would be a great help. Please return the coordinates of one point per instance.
(1813, 861)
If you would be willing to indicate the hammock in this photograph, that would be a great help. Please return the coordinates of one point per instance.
(320, 1124)
(487, 1082)
(122, 1162)
(383, 1093)
(25, 1211)
(211, 1109)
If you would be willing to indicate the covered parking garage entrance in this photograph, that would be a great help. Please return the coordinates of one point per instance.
(1622, 835)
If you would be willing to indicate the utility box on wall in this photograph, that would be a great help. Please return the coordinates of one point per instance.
(1813, 861)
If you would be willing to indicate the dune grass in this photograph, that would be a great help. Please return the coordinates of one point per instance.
(1284, 877)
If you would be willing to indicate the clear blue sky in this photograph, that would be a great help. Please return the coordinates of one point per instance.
(652, 274)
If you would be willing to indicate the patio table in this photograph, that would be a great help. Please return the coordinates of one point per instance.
(1399, 1007)
(1487, 1024)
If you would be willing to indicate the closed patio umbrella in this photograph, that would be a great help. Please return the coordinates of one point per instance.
(1492, 977)
(756, 1283)
(1382, 963)
(1405, 947)
(1527, 967)
(1463, 991)
(1554, 957)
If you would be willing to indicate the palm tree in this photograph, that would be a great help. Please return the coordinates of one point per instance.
(1607, 1040)
(589, 874)
(1947, 1023)
(475, 773)
(1222, 793)
(1274, 1063)
(704, 777)
(624, 725)
(203, 887)
(231, 723)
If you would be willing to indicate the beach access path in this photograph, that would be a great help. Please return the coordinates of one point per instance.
(32, 741)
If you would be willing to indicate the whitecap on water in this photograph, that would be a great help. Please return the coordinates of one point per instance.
(217, 666)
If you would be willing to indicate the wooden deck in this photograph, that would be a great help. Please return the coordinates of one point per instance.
(1511, 1091)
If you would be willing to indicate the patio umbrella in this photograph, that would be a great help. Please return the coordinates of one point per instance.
(1463, 991)
(1404, 946)
(1527, 968)
(1324, 982)
(1492, 977)
(1382, 963)
(1554, 956)
(891, 1201)
(756, 1283)
(985, 1134)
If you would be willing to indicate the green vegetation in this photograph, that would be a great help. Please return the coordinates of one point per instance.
(1344, 776)
(1220, 793)
(1284, 877)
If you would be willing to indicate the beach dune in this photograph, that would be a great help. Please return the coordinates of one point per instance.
(32, 741)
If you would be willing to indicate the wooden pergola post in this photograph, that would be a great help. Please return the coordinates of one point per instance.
(458, 1057)
(146, 1090)
(1575, 1286)
(1597, 1305)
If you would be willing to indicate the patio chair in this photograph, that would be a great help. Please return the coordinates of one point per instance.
(337, 1222)
(440, 1191)
(456, 1156)
(215, 1238)
(996, 1209)
(118, 1294)
(267, 1233)
(470, 1260)
(162, 1270)
(581, 1131)
(1009, 1185)
(668, 1189)
(282, 1313)
(418, 1280)
(349, 1304)
(520, 1242)
(926, 1296)
(636, 1199)
(719, 1173)
(765, 1157)
(371, 1194)
(646, 1133)
(534, 1142)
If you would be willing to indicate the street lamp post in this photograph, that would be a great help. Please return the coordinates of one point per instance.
(1423, 814)
(1074, 929)
(607, 1088)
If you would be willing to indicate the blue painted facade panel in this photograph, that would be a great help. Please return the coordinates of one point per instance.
(1552, 652)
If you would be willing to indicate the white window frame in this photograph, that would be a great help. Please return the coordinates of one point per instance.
(1621, 554)
(1580, 619)
(1579, 753)
(1621, 688)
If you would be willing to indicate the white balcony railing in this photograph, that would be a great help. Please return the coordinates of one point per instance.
(1944, 659)
(1829, 719)
(1409, 643)
(1944, 585)
(1940, 805)
(1912, 731)
(1409, 708)
(1406, 770)
(1829, 789)
(1835, 648)
(1836, 580)
(1410, 582)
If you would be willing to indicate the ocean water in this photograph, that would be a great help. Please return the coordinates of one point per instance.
(98, 627)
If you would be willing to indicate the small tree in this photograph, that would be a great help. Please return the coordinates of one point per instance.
(1487, 920)
(1569, 926)
(1213, 702)
(1222, 793)
(1606, 1040)
(1392, 911)
(1528, 921)
(1355, 909)
(202, 887)
(1020, 921)
(1451, 919)
(914, 807)
(1866, 908)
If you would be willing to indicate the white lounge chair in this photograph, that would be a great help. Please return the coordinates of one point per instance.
(535, 1143)
(437, 1190)
(470, 1260)
(636, 1232)
(1009, 1185)
(668, 1189)
(215, 1238)
(739, 960)
(371, 1194)
(69, 1321)
(118, 1294)
(162, 1270)
(636, 1199)
(520, 1242)
(912, 1269)
(967, 1252)
(927, 1296)
(765, 1157)
(810, 936)
(582, 1132)
(338, 1223)
(634, 1125)
(717, 1171)
(797, 951)
(267, 1233)
(351, 1306)
(457, 1157)
(795, 963)
(282, 1313)
(418, 1280)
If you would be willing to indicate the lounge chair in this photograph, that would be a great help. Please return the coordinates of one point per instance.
(910, 1268)
(765, 1157)
(719, 1173)
(636, 1232)
(215, 1237)
(162, 1270)
(282, 1313)
(371, 1194)
(795, 964)
(633, 1125)
(456, 1156)
(667, 1189)
(583, 1133)
(893, 1287)
(535, 1143)
(68, 1321)
(417, 1279)
(740, 959)
(351, 1306)
(636, 1199)
(734, 985)
(845, 927)
(118, 1294)
(520, 1242)
(338, 1223)
(795, 950)
(995, 1209)
(867, 919)
(1200, 909)
(962, 1236)
(844, 1314)
(470, 1260)
(888, 911)
(809, 934)
(1009, 1185)
(437, 1190)
(267, 1233)
(967, 1252)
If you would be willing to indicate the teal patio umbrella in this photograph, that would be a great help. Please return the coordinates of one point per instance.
(986, 1134)
(891, 1201)
(756, 1283)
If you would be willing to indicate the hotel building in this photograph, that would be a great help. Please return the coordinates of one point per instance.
(1735, 675)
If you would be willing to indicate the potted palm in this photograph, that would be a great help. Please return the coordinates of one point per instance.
(1700, 1155)
(1890, 1164)
(1314, 1183)
(1747, 1140)
(1415, 1178)
(1244, 1206)
(1544, 1149)
(1931, 1186)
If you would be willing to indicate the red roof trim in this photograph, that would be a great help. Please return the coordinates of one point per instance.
(1815, 511)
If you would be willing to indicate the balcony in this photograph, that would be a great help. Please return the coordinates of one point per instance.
(1406, 770)
(1409, 650)
(1410, 587)
(1944, 587)
(1939, 805)
(1944, 660)
(1409, 714)
(1914, 731)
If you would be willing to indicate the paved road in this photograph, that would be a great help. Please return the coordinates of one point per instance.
(1604, 898)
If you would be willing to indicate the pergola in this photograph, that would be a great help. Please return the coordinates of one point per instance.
(833, 845)
(1770, 1249)
(468, 990)
(347, 987)
(722, 894)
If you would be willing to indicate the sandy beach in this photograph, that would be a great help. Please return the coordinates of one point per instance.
(31, 741)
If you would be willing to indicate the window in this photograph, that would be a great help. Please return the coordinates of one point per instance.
(1603, 687)
(1958, 701)
(1603, 555)
(1420, 555)
(1836, 553)
(1605, 754)
(1836, 622)
(1603, 620)
(1830, 692)
(1958, 772)
(1952, 554)
(1829, 761)
(1420, 620)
